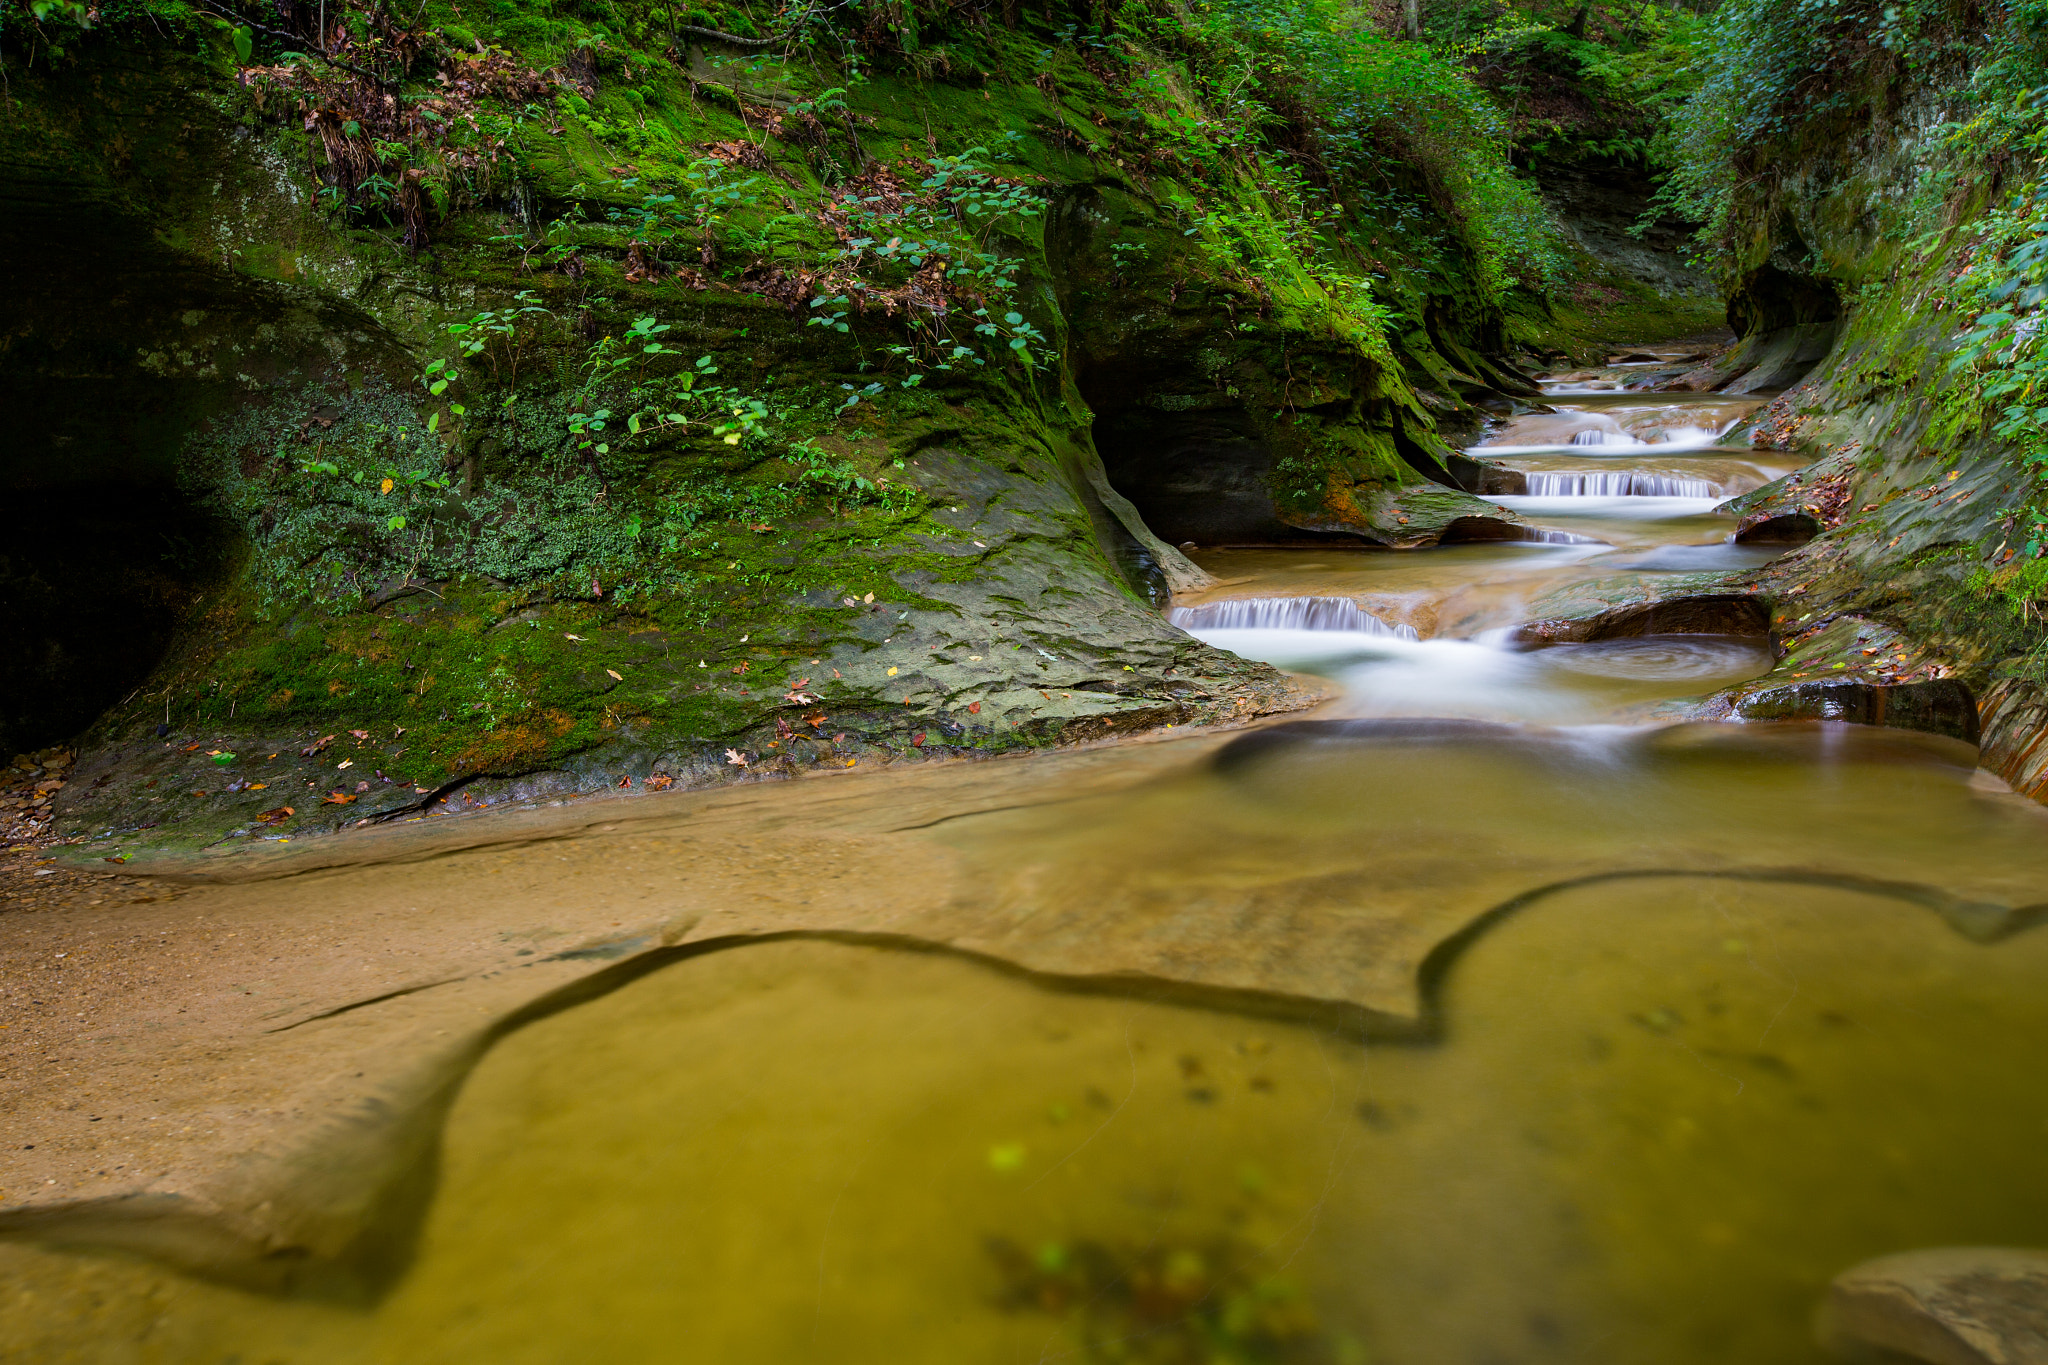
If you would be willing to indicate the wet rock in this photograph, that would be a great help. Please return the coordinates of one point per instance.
(1945, 1306)
(1486, 477)
(2014, 720)
(1731, 614)
(1941, 706)
(1426, 514)
(1763, 361)
(1780, 359)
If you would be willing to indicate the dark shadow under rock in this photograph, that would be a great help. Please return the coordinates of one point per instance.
(1942, 706)
(1785, 528)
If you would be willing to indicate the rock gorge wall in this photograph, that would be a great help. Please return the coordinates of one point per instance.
(247, 553)
(1846, 253)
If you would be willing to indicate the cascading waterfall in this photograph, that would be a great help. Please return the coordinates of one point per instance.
(1689, 437)
(1623, 484)
(1286, 613)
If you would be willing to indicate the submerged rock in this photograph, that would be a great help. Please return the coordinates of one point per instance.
(1945, 1306)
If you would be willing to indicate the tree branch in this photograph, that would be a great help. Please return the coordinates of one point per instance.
(297, 43)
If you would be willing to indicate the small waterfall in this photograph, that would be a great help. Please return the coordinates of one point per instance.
(1286, 613)
(1683, 438)
(1619, 485)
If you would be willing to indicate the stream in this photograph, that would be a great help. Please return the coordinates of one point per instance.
(1502, 1012)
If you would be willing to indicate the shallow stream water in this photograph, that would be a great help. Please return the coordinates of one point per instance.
(1525, 1031)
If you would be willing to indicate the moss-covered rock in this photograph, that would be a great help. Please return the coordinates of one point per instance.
(913, 357)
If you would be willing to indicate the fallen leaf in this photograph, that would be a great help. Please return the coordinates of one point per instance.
(839, 738)
(816, 722)
(659, 782)
(917, 740)
(257, 786)
(577, 638)
(360, 734)
(625, 782)
(736, 758)
(190, 747)
(892, 672)
(849, 602)
(974, 708)
(799, 698)
(336, 798)
(615, 675)
(316, 746)
(386, 486)
(346, 763)
(869, 598)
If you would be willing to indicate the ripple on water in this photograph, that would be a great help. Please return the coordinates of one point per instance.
(1663, 658)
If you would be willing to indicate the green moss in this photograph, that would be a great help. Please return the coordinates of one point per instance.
(445, 603)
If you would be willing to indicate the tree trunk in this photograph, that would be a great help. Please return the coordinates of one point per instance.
(1411, 14)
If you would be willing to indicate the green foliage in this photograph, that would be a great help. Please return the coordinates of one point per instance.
(658, 395)
(1369, 95)
(694, 208)
(1772, 72)
(1999, 366)
(931, 251)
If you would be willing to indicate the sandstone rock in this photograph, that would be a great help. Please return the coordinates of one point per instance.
(1943, 1306)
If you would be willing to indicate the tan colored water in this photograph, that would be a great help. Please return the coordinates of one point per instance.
(1420, 1044)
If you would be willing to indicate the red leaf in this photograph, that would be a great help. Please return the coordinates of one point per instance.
(974, 708)
(918, 741)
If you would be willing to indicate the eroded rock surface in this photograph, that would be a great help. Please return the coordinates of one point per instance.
(1948, 1306)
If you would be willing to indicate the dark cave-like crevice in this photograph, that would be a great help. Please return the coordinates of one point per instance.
(113, 353)
(93, 586)
(1196, 477)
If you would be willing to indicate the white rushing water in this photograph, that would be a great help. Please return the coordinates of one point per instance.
(1611, 437)
(1324, 615)
(1621, 507)
(1626, 483)
(1388, 670)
